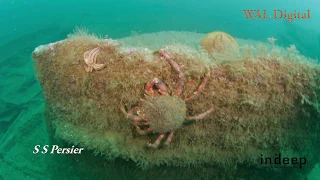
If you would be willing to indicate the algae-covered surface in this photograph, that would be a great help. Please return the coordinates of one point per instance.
(265, 101)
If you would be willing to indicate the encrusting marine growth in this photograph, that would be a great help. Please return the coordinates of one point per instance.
(165, 113)
(265, 101)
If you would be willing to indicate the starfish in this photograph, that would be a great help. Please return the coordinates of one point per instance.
(90, 58)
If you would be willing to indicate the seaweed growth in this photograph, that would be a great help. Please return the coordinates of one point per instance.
(258, 98)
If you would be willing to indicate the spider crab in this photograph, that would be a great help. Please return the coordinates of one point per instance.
(162, 113)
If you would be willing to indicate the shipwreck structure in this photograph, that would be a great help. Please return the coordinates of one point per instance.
(100, 96)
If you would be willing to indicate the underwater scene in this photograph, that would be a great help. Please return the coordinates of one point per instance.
(164, 90)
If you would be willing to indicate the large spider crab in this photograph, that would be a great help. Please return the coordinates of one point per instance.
(162, 113)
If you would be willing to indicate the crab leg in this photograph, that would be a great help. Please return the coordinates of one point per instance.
(169, 138)
(200, 116)
(156, 143)
(144, 131)
(131, 116)
(200, 88)
(177, 68)
(162, 88)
